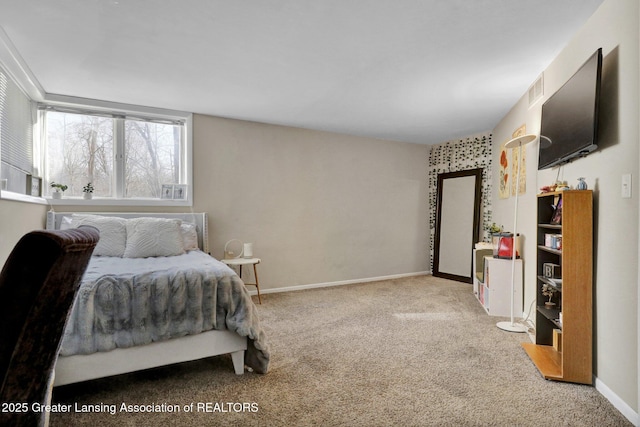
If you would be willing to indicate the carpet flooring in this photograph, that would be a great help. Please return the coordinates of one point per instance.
(416, 351)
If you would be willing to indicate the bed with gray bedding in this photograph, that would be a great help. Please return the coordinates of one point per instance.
(126, 303)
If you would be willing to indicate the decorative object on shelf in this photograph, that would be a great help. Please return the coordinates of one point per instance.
(549, 291)
(582, 184)
(503, 245)
(518, 143)
(59, 189)
(557, 339)
(88, 191)
(494, 231)
(556, 219)
(483, 245)
(247, 250)
(180, 192)
(551, 270)
(174, 192)
(494, 228)
(167, 191)
(233, 249)
(553, 241)
(34, 186)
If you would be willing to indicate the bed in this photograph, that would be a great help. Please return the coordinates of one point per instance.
(152, 296)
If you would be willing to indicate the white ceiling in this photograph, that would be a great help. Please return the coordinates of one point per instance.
(422, 71)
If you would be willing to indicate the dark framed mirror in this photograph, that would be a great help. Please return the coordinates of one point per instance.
(457, 224)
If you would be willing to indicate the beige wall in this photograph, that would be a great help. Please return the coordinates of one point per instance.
(319, 207)
(322, 207)
(614, 27)
(16, 219)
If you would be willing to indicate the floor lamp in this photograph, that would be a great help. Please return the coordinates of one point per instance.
(517, 142)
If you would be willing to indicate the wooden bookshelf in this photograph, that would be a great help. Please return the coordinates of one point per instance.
(573, 298)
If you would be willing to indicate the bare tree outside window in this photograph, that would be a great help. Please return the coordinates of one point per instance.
(151, 157)
(81, 149)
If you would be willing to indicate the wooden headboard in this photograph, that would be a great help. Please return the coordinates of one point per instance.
(198, 218)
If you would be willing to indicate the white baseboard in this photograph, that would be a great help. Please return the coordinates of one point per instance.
(339, 283)
(617, 402)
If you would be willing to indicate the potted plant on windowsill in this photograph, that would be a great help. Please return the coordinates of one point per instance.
(59, 189)
(88, 191)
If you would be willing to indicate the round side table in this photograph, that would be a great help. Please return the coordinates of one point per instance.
(246, 261)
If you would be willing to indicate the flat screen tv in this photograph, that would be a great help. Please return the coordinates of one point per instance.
(569, 124)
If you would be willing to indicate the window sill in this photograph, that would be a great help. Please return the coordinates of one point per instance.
(17, 197)
(79, 201)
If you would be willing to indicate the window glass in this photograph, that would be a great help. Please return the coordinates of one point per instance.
(79, 150)
(152, 157)
(130, 158)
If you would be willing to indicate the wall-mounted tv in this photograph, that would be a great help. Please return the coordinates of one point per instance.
(569, 125)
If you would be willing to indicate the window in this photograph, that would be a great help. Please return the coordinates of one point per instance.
(16, 135)
(79, 150)
(152, 157)
(123, 157)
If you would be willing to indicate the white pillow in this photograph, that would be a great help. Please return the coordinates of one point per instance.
(113, 233)
(150, 237)
(189, 236)
(65, 224)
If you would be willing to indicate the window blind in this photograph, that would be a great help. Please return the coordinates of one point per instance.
(16, 125)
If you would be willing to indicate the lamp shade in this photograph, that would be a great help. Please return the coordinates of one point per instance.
(520, 140)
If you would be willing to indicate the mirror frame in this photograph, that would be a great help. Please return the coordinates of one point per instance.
(475, 232)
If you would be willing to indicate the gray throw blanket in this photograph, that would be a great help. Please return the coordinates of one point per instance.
(124, 302)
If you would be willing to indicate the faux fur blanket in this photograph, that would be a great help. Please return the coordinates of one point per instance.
(124, 302)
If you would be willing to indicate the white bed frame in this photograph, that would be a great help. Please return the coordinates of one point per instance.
(77, 368)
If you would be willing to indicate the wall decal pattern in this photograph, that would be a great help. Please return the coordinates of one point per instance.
(453, 156)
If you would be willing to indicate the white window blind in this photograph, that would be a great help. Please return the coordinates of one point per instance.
(16, 125)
